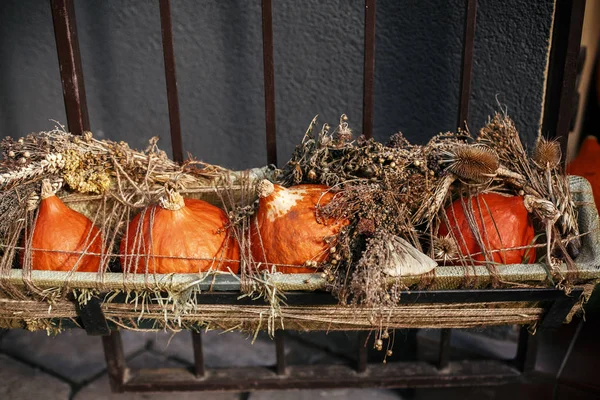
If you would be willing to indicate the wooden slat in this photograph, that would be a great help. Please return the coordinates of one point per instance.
(362, 352)
(115, 360)
(199, 369)
(281, 367)
(444, 352)
(71, 70)
(171, 79)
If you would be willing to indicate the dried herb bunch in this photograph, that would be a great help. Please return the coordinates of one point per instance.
(395, 196)
(107, 181)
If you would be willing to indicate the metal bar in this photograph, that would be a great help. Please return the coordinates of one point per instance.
(71, 70)
(562, 72)
(269, 80)
(526, 351)
(390, 375)
(444, 355)
(92, 317)
(362, 352)
(467, 63)
(171, 79)
(566, 358)
(281, 366)
(116, 365)
(369, 68)
(560, 308)
(198, 354)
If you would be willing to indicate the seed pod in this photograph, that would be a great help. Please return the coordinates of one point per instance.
(546, 154)
(476, 163)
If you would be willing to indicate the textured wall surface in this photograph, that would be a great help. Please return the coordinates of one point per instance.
(318, 65)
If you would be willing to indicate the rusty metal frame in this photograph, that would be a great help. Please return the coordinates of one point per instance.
(557, 113)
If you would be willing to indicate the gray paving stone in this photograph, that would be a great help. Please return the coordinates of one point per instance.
(340, 343)
(474, 344)
(21, 382)
(233, 349)
(300, 353)
(342, 394)
(229, 349)
(71, 354)
(100, 389)
(150, 360)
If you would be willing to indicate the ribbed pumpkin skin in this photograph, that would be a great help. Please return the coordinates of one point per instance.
(60, 228)
(289, 230)
(198, 230)
(586, 165)
(506, 222)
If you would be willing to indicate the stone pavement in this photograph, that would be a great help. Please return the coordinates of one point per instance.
(72, 366)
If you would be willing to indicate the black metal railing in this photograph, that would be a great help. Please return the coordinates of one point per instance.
(558, 111)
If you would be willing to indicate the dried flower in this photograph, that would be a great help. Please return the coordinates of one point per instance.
(445, 248)
(477, 163)
(547, 153)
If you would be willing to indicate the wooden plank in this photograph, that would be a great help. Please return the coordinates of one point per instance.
(115, 360)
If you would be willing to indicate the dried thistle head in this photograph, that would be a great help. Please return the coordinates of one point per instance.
(477, 163)
(366, 226)
(445, 248)
(547, 153)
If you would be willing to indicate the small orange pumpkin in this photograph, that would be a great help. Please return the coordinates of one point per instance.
(285, 231)
(65, 233)
(503, 222)
(586, 165)
(179, 236)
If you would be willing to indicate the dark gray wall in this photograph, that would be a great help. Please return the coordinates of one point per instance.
(318, 65)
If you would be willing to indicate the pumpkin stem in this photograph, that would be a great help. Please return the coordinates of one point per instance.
(47, 190)
(264, 188)
(172, 200)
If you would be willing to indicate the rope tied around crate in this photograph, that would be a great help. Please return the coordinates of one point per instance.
(139, 179)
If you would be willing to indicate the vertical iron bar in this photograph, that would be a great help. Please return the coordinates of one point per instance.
(115, 360)
(166, 27)
(444, 355)
(526, 351)
(562, 71)
(269, 80)
(369, 68)
(198, 354)
(363, 352)
(71, 70)
(467, 63)
(280, 352)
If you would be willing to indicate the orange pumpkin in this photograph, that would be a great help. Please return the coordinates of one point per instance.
(503, 222)
(586, 165)
(285, 231)
(65, 233)
(179, 236)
